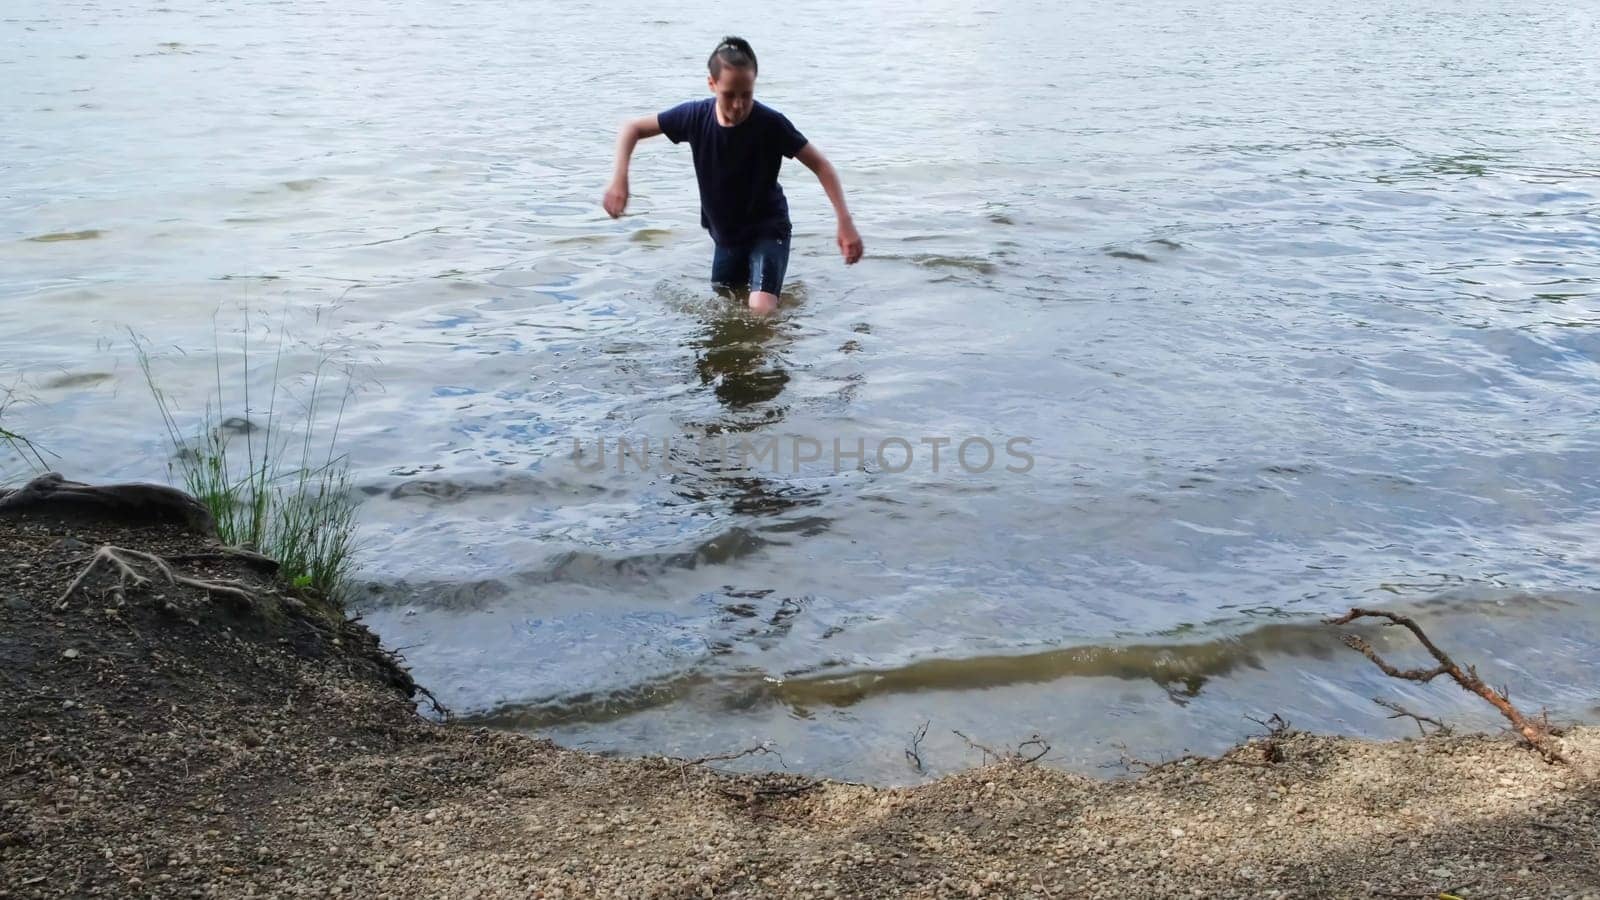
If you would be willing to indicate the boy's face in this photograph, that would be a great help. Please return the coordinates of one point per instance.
(735, 89)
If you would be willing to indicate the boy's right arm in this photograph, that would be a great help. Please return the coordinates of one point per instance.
(616, 199)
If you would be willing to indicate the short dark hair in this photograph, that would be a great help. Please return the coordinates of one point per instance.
(733, 51)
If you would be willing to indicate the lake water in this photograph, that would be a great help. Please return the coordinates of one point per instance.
(1296, 308)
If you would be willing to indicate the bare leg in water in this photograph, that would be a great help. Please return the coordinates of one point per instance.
(763, 303)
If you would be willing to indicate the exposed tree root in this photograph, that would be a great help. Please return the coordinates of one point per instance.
(1537, 733)
(264, 564)
(397, 663)
(127, 576)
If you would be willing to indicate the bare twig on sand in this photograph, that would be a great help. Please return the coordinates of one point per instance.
(1128, 761)
(751, 795)
(914, 752)
(722, 757)
(1271, 748)
(128, 576)
(1537, 733)
(1399, 712)
(684, 765)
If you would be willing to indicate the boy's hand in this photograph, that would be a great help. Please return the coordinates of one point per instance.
(849, 242)
(616, 199)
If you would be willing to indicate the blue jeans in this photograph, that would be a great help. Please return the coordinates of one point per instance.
(759, 266)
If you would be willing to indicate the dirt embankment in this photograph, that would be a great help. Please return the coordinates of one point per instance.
(168, 741)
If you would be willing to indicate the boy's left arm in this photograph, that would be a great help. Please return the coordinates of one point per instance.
(849, 238)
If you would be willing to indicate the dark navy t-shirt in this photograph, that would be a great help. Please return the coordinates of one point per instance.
(740, 200)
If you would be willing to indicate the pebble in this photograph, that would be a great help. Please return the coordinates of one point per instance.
(70, 653)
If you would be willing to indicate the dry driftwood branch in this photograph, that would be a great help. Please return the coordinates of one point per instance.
(1399, 711)
(127, 576)
(1537, 734)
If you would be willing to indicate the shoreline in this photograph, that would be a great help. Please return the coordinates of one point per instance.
(179, 742)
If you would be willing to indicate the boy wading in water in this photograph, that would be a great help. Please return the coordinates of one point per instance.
(738, 146)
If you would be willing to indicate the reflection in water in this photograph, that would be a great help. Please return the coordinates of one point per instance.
(1181, 670)
(738, 356)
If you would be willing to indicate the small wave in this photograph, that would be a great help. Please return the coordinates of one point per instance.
(969, 263)
(446, 490)
(88, 234)
(584, 567)
(1130, 254)
(76, 380)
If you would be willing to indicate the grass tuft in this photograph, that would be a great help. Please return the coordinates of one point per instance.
(279, 486)
(19, 444)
